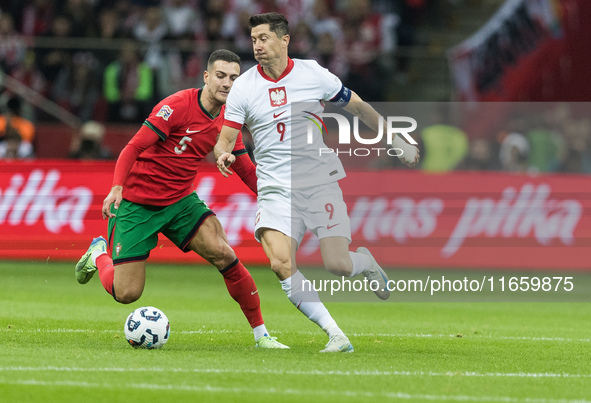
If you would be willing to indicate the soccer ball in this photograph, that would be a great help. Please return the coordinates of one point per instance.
(147, 327)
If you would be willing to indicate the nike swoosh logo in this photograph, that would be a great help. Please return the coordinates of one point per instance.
(276, 115)
(254, 292)
(192, 131)
(331, 226)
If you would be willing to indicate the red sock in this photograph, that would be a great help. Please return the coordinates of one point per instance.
(106, 270)
(242, 288)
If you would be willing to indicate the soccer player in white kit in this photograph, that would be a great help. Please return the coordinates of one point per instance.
(261, 99)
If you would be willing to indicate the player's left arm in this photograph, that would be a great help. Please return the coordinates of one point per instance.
(368, 115)
(246, 170)
(243, 165)
(141, 141)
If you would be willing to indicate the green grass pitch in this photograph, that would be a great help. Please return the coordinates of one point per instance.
(63, 342)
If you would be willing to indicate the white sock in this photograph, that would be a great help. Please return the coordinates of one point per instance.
(259, 332)
(96, 254)
(360, 262)
(301, 293)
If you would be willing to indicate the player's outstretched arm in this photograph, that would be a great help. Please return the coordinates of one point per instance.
(223, 149)
(368, 115)
(114, 196)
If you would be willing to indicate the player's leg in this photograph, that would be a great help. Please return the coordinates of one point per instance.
(280, 250)
(340, 261)
(128, 282)
(336, 257)
(128, 279)
(208, 239)
(277, 217)
(325, 213)
(86, 266)
(132, 235)
(210, 242)
(327, 217)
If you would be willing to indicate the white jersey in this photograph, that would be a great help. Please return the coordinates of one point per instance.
(266, 106)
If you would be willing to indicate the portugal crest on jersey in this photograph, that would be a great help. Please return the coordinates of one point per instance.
(277, 96)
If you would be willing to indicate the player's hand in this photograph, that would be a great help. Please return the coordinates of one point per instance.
(225, 160)
(410, 156)
(114, 196)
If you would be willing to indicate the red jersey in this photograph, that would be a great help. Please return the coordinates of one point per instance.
(165, 172)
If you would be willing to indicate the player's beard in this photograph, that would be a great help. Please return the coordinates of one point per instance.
(221, 98)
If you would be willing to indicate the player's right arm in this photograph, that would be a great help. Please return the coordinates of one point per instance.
(142, 140)
(368, 115)
(223, 149)
(336, 92)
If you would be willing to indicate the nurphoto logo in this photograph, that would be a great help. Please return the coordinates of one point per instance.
(393, 126)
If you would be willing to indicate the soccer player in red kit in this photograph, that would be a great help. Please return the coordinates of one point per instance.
(153, 193)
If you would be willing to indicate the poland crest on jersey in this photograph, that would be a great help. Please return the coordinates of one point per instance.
(277, 96)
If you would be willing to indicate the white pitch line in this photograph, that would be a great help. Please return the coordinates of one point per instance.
(290, 391)
(392, 335)
(450, 374)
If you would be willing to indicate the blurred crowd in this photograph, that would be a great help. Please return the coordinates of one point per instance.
(111, 60)
(519, 137)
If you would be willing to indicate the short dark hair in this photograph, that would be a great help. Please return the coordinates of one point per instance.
(277, 22)
(223, 55)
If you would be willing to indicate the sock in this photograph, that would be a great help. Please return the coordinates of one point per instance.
(106, 270)
(242, 288)
(259, 332)
(360, 262)
(301, 293)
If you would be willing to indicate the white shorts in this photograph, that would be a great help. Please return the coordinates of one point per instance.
(320, 209)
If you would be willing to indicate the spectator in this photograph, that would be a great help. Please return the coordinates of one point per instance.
(576, 156)
(180, 68)
(409, 13)
(294, 11)
(35, 18)
(12, 121)
(240, 36)
(322, 21)
(109, 28)
(128, 86)
(12, 146)
(213, 30)
(302, 41)
(52, 61)
(77, 88)
(328, 54)
(545, 147)
(481, 156)
(151, 30)
(88, 144)
(80, 13)
(445, 144)
(131, 13)
(12, 45)
(514, 153)
(27, 74)
(366, 38)
(183, 19)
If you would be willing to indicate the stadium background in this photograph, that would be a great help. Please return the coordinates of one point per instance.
(86, 73)
(507, 190)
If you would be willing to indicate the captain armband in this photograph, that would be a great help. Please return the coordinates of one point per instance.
(343, 97)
